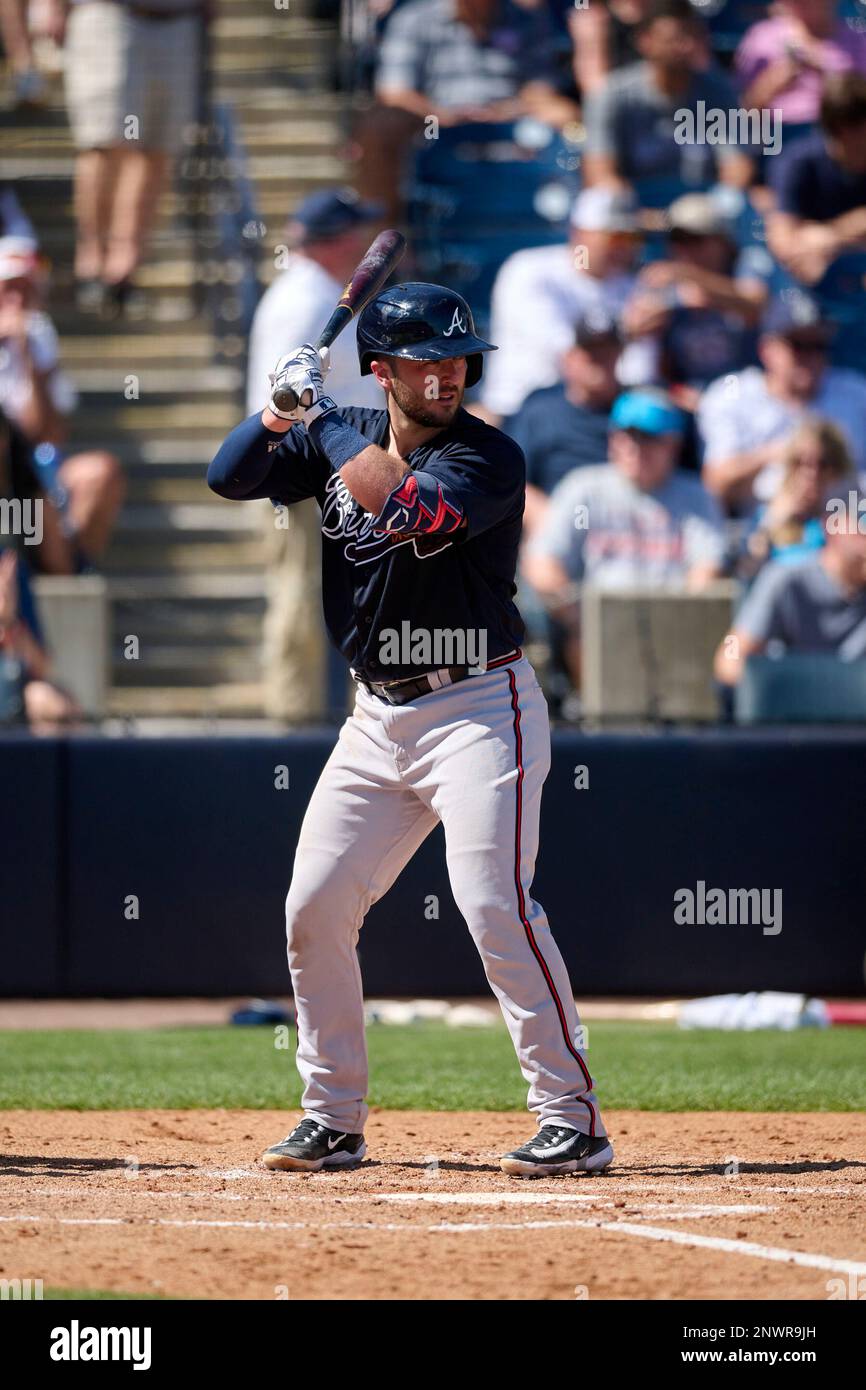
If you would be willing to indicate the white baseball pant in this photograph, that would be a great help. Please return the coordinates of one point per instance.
(474, 756)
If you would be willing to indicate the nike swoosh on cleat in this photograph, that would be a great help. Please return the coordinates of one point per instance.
(332, 1143)
(552, 1152)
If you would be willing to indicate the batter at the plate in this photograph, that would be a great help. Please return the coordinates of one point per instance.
(422, 506)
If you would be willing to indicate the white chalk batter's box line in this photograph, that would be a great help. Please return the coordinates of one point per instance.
(723, 1182)
(751, 1249)
(667, 1211)
(660, 1211)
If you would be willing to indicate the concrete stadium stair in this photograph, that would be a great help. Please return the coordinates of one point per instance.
(184, 569)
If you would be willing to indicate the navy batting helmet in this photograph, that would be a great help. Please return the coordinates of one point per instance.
(422, 322)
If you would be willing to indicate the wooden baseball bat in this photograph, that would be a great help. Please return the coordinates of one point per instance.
(367, 279)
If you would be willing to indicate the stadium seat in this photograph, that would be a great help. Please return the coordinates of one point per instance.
(728, 21)
(801, 688)
(480, 192)
(842, 296)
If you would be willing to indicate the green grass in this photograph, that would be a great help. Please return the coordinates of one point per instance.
(429, 1066)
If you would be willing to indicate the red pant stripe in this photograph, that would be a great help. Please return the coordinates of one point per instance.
(521, 901)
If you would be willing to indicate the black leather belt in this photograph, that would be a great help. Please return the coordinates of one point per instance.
(403, 692)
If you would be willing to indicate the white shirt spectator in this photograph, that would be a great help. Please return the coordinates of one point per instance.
(292, 311)
(538, 297)
(737, 413)
(15, 378)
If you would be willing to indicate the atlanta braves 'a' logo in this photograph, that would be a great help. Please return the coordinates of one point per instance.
(458, 322)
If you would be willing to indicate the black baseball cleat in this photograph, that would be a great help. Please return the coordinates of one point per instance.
(558, 1149)
(312, 1146)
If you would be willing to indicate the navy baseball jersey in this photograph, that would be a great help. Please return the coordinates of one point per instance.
(441, 556)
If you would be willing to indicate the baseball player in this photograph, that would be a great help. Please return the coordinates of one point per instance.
(421, 506)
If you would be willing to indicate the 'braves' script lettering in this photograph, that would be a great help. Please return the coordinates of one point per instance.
(345, 519)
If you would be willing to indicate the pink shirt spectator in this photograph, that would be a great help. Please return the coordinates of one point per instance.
(766, 42)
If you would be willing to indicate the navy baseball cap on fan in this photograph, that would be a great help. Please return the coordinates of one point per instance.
(648, 411)
(330, 212)
(796, 314)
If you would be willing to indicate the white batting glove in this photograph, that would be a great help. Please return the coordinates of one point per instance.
(302, 371)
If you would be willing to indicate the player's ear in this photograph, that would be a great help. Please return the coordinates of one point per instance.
(381, 370)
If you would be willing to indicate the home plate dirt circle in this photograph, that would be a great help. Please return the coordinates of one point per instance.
(697, 1206)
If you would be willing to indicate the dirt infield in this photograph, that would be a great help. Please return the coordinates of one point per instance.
(174, 1202)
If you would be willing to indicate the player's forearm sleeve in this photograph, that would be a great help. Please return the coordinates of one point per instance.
(336, 438)
(244, 460)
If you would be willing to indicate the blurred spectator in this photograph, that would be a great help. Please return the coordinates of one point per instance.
(634, 120)
(19, 476)
(52, 550)
(819, 229)
(636, 521)
(33, 389)
(539, 295)
(566, 426)
(704, 300)
(471, 60)
(453, 62)
(746, 419)
(816, 606)
(28, 85)
(132, 84)
(20, 653)
(13, 219)
(820, 187)
(790, 527)
(37, 396)
(605, 36)
(782, 61)
(326, 238)
(25, 687)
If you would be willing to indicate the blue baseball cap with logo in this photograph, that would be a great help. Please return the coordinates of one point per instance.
(649, 411)
(330, 212)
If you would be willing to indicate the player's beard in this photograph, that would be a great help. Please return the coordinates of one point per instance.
(422, 410)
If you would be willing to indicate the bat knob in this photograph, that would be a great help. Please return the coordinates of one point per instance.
(284, 398)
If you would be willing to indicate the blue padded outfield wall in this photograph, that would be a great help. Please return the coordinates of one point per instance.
(197, 831)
